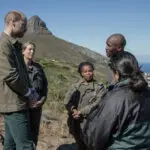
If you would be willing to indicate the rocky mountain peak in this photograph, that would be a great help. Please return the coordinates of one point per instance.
(37, 26)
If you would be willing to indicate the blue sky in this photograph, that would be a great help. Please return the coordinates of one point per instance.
(89, 22)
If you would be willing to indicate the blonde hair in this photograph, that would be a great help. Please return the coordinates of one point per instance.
(28, 43)
(14, 16)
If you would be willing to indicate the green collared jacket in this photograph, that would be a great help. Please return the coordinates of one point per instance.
(84, 96)
(14, 80)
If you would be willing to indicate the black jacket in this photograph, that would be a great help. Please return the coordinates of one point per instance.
(122, 121)
(37, 78)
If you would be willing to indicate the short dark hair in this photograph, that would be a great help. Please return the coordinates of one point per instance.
(120, 37)
(85, 63)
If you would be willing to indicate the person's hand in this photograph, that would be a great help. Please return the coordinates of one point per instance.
(32, 103)
(37, 104)
(74, 111)
(40, 102)
(76, 114)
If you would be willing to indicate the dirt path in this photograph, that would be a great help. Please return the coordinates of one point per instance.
(53, 135)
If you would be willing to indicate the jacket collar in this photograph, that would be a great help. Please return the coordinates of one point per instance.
(11, 39)
(121, 83)
(90, 85)
(31, 66)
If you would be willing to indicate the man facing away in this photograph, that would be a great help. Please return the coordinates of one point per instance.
(15, 91)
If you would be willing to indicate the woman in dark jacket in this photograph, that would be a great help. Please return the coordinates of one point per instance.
(39, 83)
(122, 120)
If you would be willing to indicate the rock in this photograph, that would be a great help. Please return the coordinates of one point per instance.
(36, 25)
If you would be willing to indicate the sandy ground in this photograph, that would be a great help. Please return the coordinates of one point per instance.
(53, 135)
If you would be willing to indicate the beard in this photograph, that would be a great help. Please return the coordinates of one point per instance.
(111, 53)
(18, 34)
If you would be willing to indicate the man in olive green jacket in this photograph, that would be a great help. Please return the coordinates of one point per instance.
(15, 91)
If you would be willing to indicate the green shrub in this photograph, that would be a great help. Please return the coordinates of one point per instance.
(60, 76)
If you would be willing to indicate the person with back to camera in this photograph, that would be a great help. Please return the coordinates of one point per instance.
(123, 118)
(39, 82)
(81, 99)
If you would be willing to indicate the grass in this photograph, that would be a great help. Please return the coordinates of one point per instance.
(60, 76)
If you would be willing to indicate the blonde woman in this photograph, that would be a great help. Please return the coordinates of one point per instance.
(39, 83)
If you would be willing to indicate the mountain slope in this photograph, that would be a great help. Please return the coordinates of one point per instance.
(52, 47)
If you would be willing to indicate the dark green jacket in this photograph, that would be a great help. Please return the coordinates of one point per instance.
(14, 81)
(122, 121)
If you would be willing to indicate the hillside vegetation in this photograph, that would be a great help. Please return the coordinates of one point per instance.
(60, 76)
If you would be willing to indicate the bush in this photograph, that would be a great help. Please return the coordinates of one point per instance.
(60, 76)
